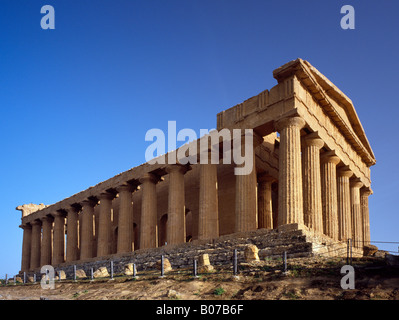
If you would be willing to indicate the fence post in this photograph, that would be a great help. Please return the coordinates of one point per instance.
(74, 272)
(235, 264)
(134, 271)
(195, 269)
(91, 274)
(162, 268)
(15, 280)
(6, 279)
(34, 278)
(350, 241)
(24, 277)
(285, 262)
(112, 270)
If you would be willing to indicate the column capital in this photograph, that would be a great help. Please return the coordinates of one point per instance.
(290, 122)
(367, 191)
(25, 226)
(176, 167)
(313, 139)
(46, 218)
(356, 183)
(58, 214)
(126, 187)
(330, 157)
(264, 177)
(87, 203)
(35, 222)
(149, 177)
(72, 209)
(344, 172)
(106, 196)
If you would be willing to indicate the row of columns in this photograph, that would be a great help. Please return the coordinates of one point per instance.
(314, 192)
(38, 248)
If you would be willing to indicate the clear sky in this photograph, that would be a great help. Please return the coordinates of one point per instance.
(77, 101)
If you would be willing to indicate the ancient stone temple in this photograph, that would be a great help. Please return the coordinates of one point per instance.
(311, 172)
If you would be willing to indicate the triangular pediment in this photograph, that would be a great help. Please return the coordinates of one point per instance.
(333, 101)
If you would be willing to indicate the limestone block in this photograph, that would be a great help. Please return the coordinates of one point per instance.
(204, 264)
(129, 269)
(62, 274)
(251, 253)
(80, 273)
(102, 272)
(166, 265)
(205, 269)
(203, 260)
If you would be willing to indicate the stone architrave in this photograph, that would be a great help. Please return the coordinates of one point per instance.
(344, 203)
(357, 221)
(265, 209)
(312, 205)
(329, 163)
(176, 232)
(290, 199)
(148, 233)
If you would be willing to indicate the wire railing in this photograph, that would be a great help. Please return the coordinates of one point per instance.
(327, 250)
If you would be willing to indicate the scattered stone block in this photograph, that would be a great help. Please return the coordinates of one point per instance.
(251, 253)
(129, 268)
(172, 294)
(62, 274)
(166, 265)
(204, 264)
(102, 272)
(80, 273)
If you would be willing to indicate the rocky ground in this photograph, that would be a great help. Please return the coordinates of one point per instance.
(306, 279)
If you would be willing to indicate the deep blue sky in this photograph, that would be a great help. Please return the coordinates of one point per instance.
(77, 101)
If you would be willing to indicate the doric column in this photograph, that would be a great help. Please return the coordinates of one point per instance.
(72, 253)
(104, 225)
(45, 252)
(59, 238)
(246, 191)
(344, 204)
(148, 228)
(125, 219)
(364, 202)
(290, 191)
(265, 210)
(329, 163)
(35, 244)
(86, 241)
(208, 217)
(312, 205)
(26, 246)
(176, 232)
(357, 221)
